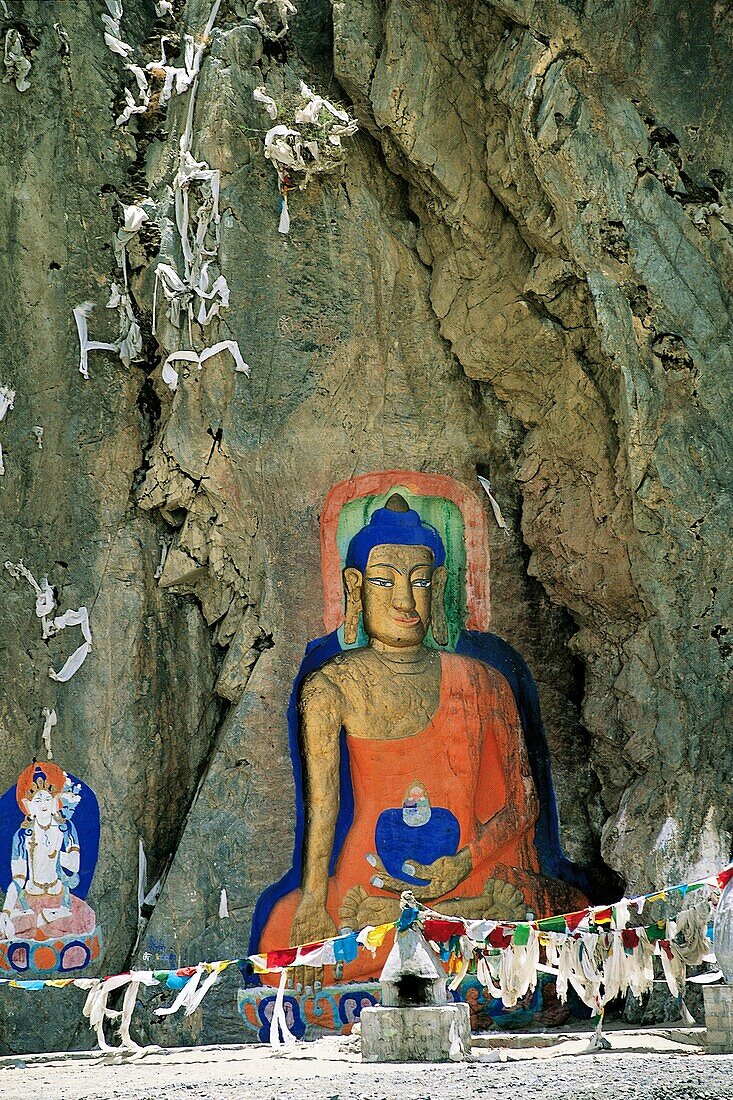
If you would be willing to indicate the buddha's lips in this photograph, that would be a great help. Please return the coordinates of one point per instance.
(408, 622)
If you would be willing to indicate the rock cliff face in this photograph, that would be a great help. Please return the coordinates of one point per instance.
(523, 273)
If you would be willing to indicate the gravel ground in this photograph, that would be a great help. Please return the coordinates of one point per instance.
(321, 1071)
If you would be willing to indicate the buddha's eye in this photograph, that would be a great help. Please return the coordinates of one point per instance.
(381, 582)
(421, 582)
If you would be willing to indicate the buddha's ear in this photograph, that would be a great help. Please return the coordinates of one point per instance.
(437, 615)
(352, 587)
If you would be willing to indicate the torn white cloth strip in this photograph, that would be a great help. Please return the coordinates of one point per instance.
(194, 991)
(130, 341)
(7, 397)
(456, 1051)
(486, 486)
(133, 218)
(276, 148)
(38, 433)
(128, 1007)
(49, 721)
(19, 570)
(135, 106)
(219, 290)
(72, 665)
(95, 1007)
(487, 978)
(260, 96)
(96, 1010)
(17, 65)
(212, 18)
(282, 1039)
(116, 45)
(80, 618)
(223, 905)
(112, 33)
(175, 290)
(81, 315)
(163, 7)
(226, 345)
(142, 874)
(185, 994)
(170, 375)
(176, 78)
(45, 605)
(196, 999)
(45, 599)
(620, 914)
(316, 104)
(283, 226)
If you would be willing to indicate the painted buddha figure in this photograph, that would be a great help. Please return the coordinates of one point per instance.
(443, 799)
(39, 903)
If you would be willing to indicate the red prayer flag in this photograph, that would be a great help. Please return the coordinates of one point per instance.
(282, 958)
(440, 931)
(501, 937)
(573, 919)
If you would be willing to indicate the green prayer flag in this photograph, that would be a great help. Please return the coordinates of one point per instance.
(521, 935)
(552, 924)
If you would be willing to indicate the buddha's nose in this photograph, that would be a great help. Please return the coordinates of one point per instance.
(403, 597)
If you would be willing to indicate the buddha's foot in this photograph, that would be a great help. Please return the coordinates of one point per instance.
(499, 901)
(359, 909)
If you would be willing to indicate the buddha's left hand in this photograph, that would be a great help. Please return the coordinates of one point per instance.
(444, 875)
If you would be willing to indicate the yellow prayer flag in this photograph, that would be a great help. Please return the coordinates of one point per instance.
(375, 936)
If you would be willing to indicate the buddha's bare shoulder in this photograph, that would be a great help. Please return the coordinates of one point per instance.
(341, 672)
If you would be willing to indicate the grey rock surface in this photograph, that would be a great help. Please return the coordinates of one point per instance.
(524, 272)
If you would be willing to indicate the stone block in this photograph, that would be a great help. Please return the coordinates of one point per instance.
(719, 1018)
(426, 1034)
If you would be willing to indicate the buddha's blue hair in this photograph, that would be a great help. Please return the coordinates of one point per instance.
(387, 527)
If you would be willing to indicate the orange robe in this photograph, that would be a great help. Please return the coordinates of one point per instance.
(472, 761)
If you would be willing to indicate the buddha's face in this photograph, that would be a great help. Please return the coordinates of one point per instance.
(41, 807)
(396, 594)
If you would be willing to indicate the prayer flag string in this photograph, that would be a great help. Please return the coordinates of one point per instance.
(601, 952)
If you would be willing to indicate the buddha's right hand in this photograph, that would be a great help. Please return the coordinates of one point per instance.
(311, 924)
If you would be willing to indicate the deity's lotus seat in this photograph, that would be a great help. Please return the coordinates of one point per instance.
(28, 957)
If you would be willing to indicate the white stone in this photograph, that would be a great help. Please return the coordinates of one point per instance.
(432, 1033)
